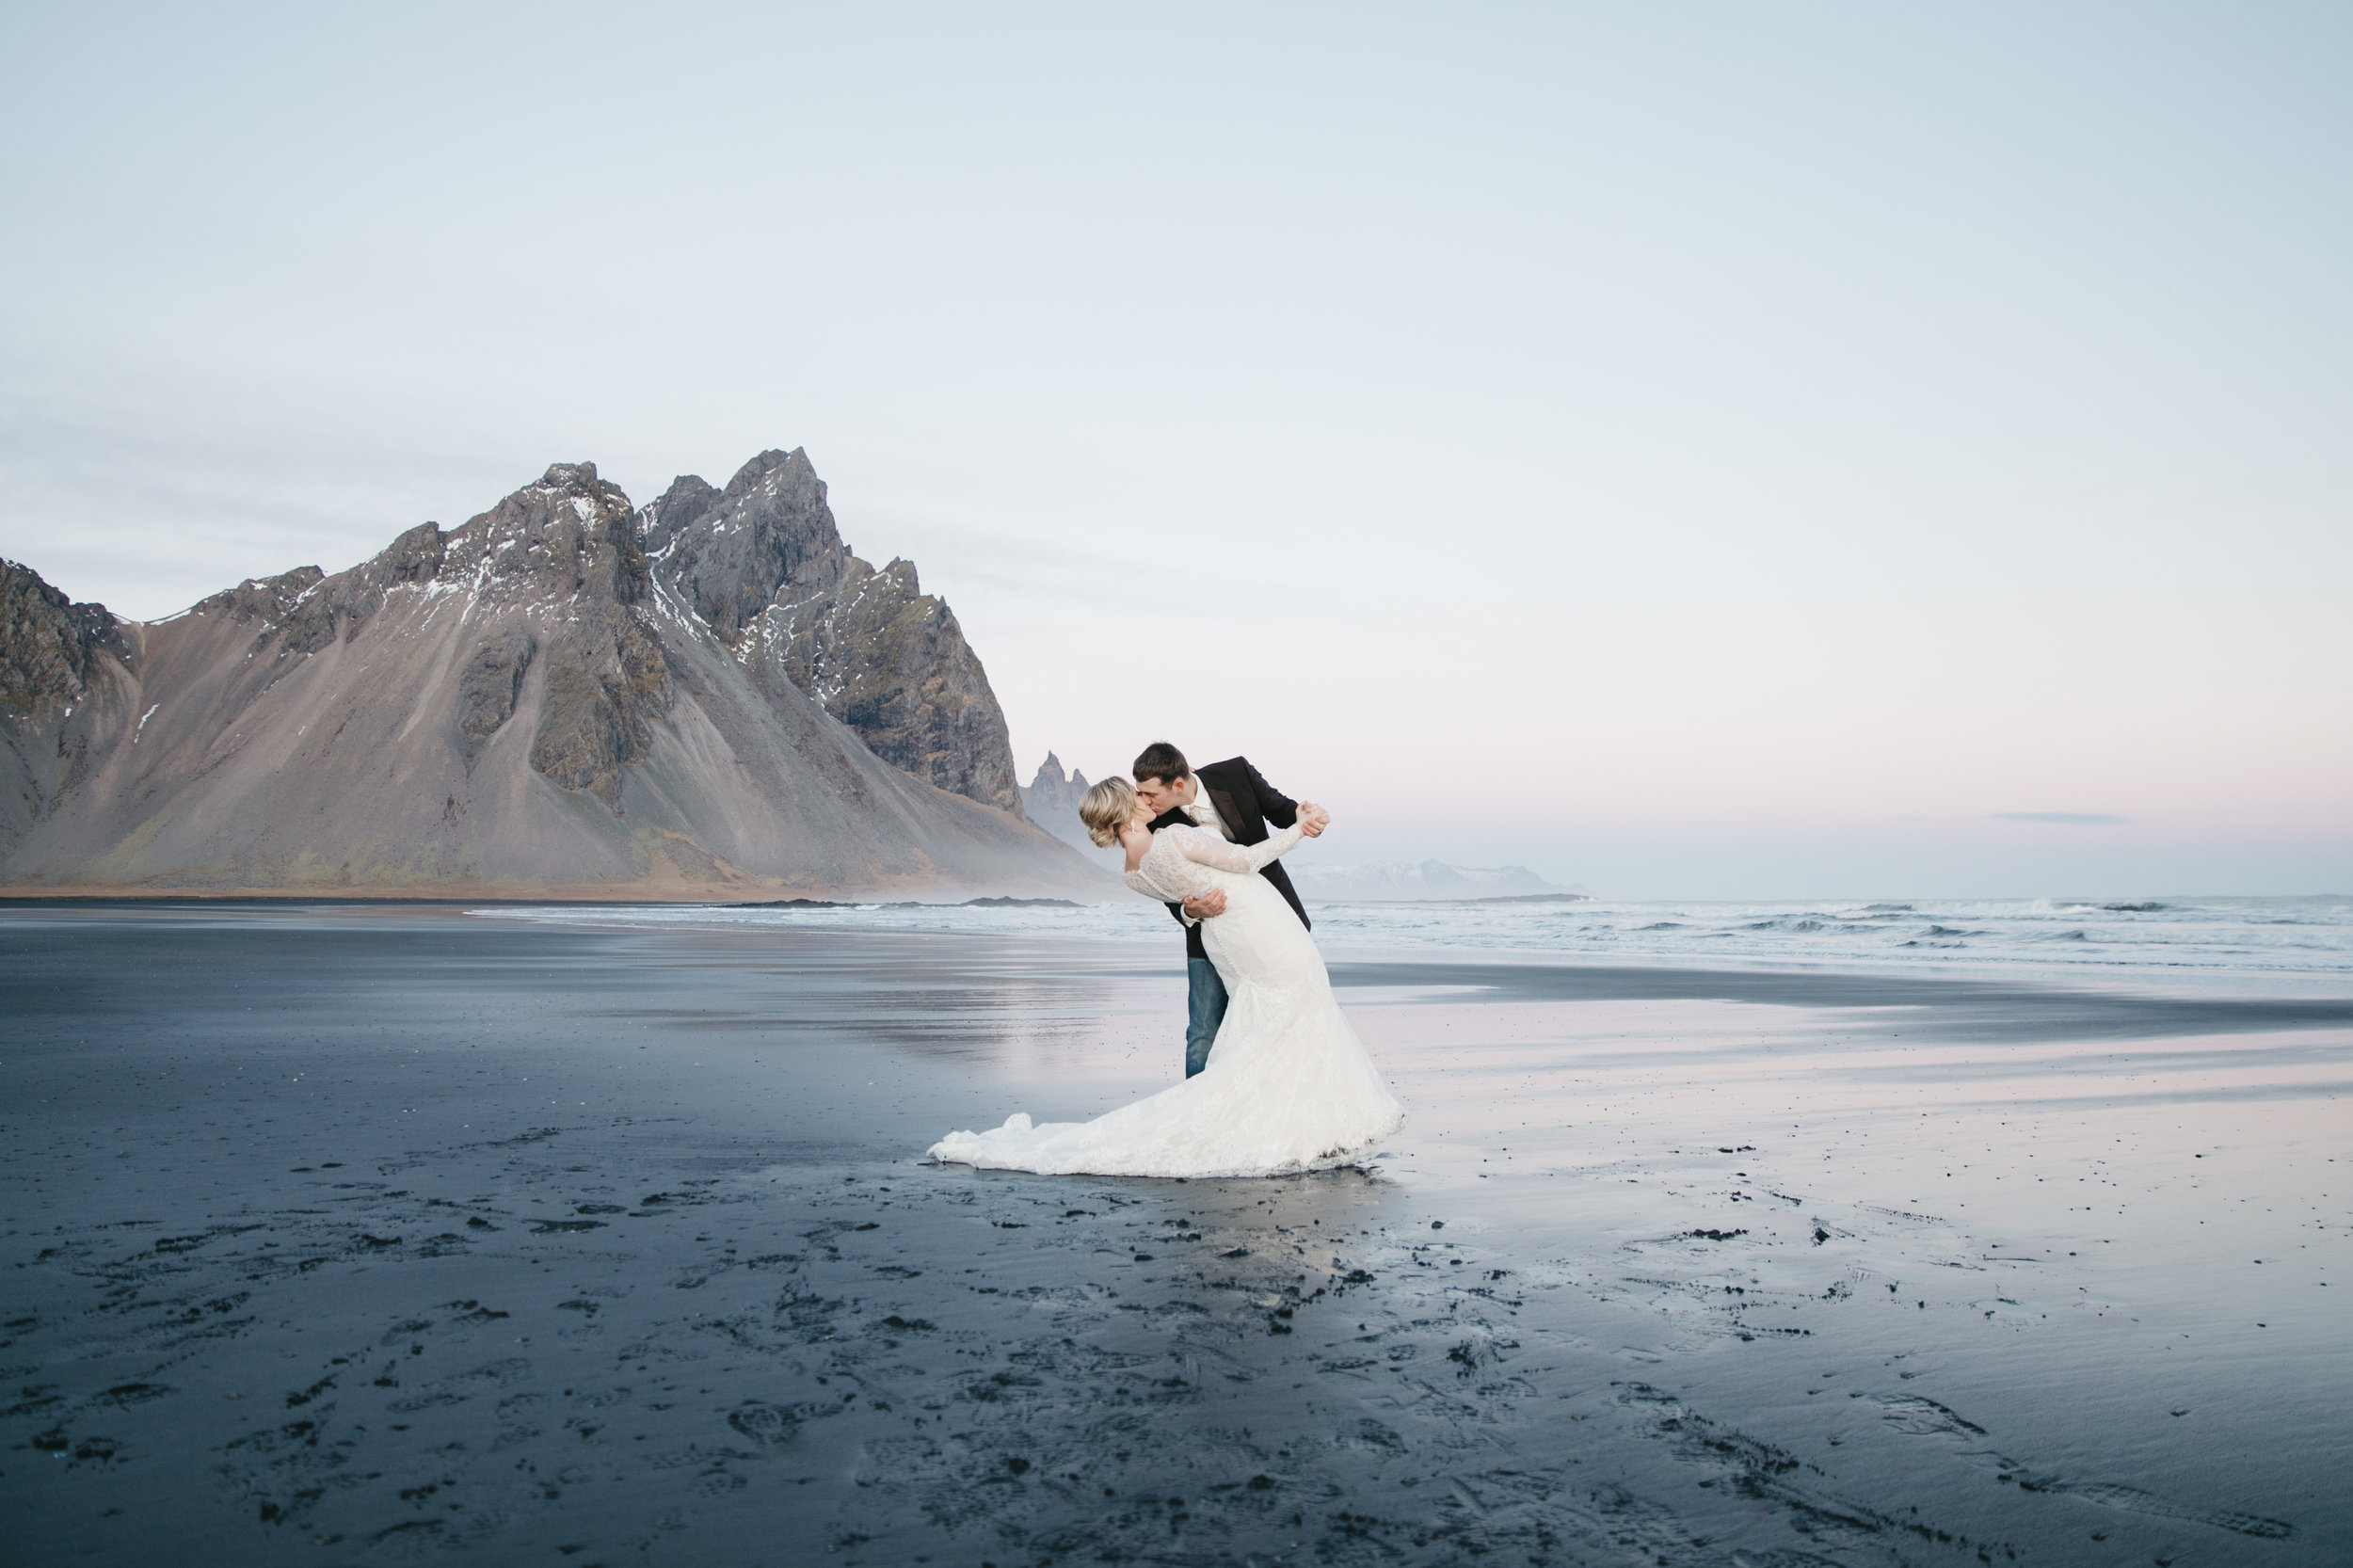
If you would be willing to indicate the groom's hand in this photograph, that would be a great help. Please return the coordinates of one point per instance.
(1313, 820)
(1205, 906)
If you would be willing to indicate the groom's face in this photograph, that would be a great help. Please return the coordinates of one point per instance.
(1161, 796)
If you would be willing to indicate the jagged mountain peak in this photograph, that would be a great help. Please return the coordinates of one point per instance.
(562, 692)
(775, 470)
(761, 564)
(728, 554)
(687, 499)
(571, 476)
(572, 533)
(1052, 801)
(691, 498)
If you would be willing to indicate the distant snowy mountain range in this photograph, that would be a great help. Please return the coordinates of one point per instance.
(1400, 881)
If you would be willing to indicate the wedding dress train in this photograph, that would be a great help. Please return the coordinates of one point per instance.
(1287, 1087)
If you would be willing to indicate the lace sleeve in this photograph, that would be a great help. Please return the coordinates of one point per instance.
(1164, 873)
(1210, 850)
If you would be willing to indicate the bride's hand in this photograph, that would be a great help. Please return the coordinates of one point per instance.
(1313, 819)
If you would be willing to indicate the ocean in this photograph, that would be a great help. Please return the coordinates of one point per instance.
(2296, 943)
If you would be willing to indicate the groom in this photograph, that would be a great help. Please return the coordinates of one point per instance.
(1231, 798)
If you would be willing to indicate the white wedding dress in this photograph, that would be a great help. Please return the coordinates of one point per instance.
(1288, 1086)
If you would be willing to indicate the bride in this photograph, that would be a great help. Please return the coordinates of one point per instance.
(1287, 1087)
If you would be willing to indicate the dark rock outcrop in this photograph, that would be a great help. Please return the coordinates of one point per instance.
(606, 681)
(491, 683)
(66, 670)
(891, 662)
(561, 694)
(48, 643)
(762, 565)
(606, 685)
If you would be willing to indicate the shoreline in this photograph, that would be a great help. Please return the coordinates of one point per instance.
(340, 1230)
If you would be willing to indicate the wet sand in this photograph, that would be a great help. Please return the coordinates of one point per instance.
(375, 1234)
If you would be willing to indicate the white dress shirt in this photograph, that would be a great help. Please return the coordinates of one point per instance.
(1205, 815)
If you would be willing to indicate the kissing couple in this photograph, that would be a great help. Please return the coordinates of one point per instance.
(1276, 1079)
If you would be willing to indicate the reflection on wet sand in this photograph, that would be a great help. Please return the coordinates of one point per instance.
(381, 1234)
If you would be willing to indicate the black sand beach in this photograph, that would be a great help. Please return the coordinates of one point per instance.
(371, 1234)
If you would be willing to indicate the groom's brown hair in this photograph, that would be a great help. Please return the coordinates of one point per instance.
(1163, 761)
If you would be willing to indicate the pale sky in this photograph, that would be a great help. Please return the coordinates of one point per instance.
(1690, 449)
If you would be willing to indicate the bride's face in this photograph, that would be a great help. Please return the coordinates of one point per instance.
(1139, 819)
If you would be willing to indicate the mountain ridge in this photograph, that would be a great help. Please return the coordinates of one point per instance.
(533, 701)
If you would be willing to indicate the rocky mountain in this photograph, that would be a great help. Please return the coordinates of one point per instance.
(761, 564)
(709, 697)
(1387, 882)
(1051, 801)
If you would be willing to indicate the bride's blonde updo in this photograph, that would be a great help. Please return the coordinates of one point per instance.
(1105, 808)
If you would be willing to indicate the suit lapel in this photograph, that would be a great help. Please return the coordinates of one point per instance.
(1229, 812)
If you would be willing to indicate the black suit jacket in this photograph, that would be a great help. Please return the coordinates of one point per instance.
(1247, 803)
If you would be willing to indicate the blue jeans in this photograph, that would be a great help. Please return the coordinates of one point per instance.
(1205, 1009)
